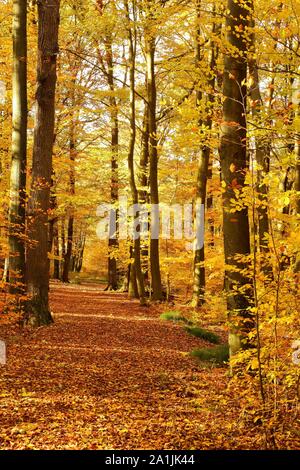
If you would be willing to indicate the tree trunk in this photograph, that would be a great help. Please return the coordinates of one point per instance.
(234, 165)
(113, 243)
(126, 280)
(157, 293)
(143, 192)
(37, 309)
(68, 254)
(53, 230)
(56, 250)
(77, 256)
(52, 219)
(136, 266)
(63, 246)
(262, 154)
(72, 178)
(297, 162)
(108, 70)
(199, 252)
(19, 149)
(79, 259)
(203, 167)
(5, 275)
(133, 292)
(210, 208)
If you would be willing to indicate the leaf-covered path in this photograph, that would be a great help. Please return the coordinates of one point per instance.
(108, 375)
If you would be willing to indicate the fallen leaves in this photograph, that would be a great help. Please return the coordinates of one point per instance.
(113, 376)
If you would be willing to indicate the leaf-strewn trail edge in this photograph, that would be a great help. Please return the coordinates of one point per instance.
(109, 374)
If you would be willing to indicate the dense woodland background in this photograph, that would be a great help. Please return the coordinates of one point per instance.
(171, 102)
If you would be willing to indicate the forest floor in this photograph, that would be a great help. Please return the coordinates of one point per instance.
(109, 374)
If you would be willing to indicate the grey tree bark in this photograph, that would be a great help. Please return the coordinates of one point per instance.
(297, 162)
(136, 269)
(199, 280)
(157, 293)
(144, 185)
(19, 149)
(72, 182)
(262, 156)
(114, 120)
(234, 165)
(37, 308)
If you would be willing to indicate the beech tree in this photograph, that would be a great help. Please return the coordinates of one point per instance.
(37, 309)
(136, 255)
(204, 156)
(72, 178)
(234, 165)
(17, 199)
(150, 47)
(262, 153)
(114, 116)
(108, 70)
(297, 160)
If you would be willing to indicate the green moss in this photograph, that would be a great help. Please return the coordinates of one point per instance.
(175, 316)
(218, 354)
(203, 334)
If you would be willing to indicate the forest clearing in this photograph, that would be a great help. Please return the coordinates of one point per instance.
(149, 225)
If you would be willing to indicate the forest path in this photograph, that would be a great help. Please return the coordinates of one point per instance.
(108, 374)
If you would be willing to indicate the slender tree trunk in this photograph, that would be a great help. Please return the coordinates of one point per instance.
(113, 243)
(37, 309)
(77, 254)
(157, 293)
(108, 69)
(79, 257)
(297, 188)
(53, 230)
(262, 153)
(133, 292)
(53, 246)
(297, 162)
(203, 167)
(19, 149)
(5, 275)
(144, 184)
(72, 178)
(234, 164)
(63, 245)
(53, 219)
(136, 266)
(51, 235)
(199, 252)
(126, 279)
(56, 250)
(210, 208)
(68, 254)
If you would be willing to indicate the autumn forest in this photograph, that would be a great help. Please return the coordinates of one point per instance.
(149, 224)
